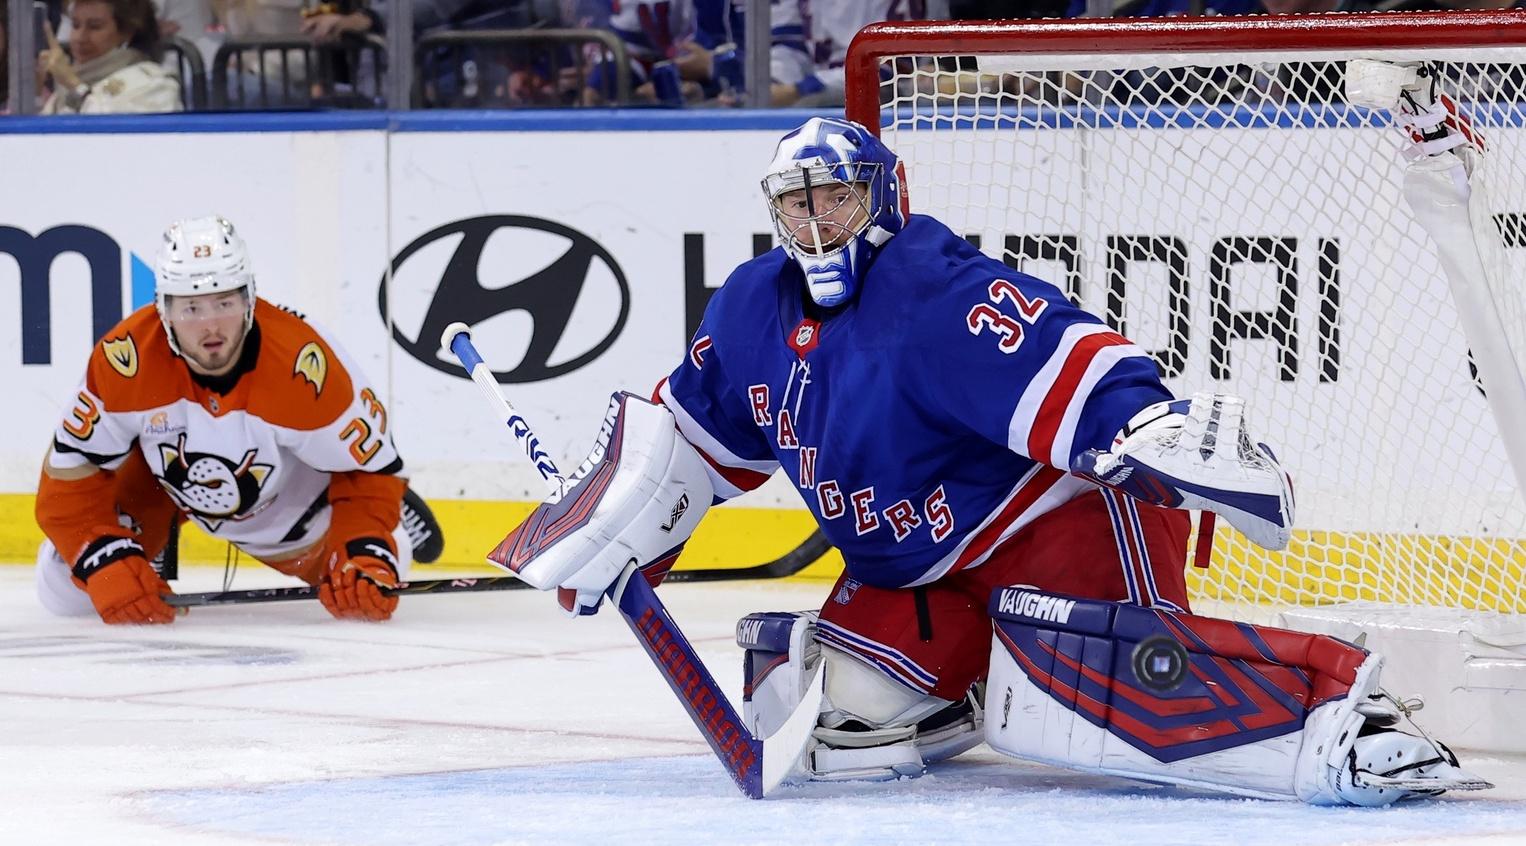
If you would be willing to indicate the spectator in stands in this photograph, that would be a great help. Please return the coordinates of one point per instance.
(672, 55)
(266, 78)
(817, 80)
(114, 68)
(683, 52)
(434, 16)
(188, 19)
(662, 47)
(472, 69)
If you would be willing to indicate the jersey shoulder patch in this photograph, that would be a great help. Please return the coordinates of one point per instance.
(132, 367)
(299, 382)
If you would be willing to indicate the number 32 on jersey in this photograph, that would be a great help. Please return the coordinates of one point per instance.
(987, 317)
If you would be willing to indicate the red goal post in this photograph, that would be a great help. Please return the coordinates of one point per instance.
(1203, 185)
(1082, 36)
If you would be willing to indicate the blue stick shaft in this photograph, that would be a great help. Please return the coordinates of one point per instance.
(466, 351)
(461, 345)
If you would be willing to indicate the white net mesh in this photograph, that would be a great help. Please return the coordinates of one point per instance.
(1234, 216)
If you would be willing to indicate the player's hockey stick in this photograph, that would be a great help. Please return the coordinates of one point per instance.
(788, 564)
(757, 765)
(287, 594)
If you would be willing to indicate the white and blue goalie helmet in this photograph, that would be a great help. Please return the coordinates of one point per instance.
(836, 194)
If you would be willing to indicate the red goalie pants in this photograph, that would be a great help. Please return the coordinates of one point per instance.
(937, 638)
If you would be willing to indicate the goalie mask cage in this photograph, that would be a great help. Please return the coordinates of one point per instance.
(1203, 185)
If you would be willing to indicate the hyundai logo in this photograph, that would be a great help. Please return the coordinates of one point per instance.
(546, 288)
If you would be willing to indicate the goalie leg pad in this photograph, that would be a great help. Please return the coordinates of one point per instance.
(634, 501)
(881, 730)
(1171, 697)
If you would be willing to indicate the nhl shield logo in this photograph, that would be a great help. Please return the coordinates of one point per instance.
(807, 333)
(845, 591)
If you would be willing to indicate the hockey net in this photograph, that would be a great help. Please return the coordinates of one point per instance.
(1203, 185)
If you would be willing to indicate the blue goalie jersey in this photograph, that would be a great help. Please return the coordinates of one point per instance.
(924, 423)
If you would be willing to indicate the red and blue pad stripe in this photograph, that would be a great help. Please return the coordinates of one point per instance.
(551, 522)
(1240, 684)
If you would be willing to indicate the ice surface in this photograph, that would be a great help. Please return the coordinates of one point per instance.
(490, 718)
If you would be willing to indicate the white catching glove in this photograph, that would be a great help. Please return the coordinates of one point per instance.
(1196, 455)
(633, 504)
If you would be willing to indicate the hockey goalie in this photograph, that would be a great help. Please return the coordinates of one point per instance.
(1009, 484)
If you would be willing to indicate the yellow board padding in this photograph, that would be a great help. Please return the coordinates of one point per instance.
(1318, 568)
(727, 537)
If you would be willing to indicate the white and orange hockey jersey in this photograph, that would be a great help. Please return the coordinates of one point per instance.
(299, 441)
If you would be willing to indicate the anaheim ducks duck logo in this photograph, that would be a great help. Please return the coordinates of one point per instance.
(210, 487)
(313, 366)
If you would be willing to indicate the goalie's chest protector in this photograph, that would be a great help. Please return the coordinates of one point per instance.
(893, 417)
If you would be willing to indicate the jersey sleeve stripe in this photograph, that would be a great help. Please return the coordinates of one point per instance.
(1066, 396)
(1061, 442)
(1044, 421)
(729, 482)
(1023, 417)
(730, 474)
(99, 460)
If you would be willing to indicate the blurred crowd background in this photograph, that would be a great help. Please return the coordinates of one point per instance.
(140, 56)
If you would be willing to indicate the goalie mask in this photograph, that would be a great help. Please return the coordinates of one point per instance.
(201, 256)
(836, 194)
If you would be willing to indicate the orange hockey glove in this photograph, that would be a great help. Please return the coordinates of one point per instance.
(351, 589)
(122, 586)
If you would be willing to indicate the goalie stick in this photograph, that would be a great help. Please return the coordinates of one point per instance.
(757, 765)
(788, 564)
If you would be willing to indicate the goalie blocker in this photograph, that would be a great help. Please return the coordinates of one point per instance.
(633, 502)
